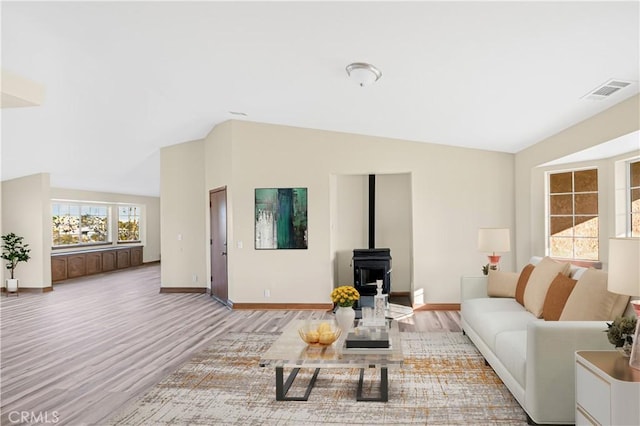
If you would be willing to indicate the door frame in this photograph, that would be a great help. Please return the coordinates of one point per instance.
(212, 228)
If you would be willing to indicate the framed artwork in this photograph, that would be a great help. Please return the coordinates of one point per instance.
(281, 218)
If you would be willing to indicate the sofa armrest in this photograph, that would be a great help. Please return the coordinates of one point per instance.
(550, 365)
(473, 288)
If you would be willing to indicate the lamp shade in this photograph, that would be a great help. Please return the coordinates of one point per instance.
(492, 240)
(624, 266)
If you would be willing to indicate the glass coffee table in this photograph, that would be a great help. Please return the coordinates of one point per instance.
(290, 351)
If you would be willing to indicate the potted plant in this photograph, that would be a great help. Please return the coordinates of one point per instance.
(620, 333)
(14, 250)
(345, 297)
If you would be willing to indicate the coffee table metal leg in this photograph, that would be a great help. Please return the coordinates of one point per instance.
(283, 388)
(384, 387)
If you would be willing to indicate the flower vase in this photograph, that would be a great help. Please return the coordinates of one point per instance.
(345, 316)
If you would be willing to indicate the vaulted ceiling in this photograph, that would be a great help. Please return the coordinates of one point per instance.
(123, 79)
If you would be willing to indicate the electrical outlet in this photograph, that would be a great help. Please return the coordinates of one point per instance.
(267, 293)
(194, 278)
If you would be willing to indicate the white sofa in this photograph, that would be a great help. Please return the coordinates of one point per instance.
(534, 358)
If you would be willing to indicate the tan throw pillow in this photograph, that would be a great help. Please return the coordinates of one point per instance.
(557, 296)
(591, 301)
(522, 283)
(502, 284)
(539, 283)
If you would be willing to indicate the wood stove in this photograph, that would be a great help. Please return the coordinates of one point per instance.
(370, 265)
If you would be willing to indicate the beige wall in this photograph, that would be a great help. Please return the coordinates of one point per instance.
(617, 121)
(393, 226)
(2, 266)
(349, 224)
(453, 192)
(18, 91)
(606, 200)
(26, 213)
(149, 232)
(183, 219)
(218, 174)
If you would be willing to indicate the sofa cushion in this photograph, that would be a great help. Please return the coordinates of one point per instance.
(539, 282)
(591, 301)
(511, 350)
(557, 296)
(471, 308)
(501, 284)
(491, 316)
(490, 325)
(523, 279)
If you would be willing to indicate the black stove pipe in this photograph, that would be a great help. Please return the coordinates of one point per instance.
(372, 211)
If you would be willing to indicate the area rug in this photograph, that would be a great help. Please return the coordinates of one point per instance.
(444, 381)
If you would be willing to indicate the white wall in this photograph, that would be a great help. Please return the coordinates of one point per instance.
(454, 191)
(149, 232)
(619, 120)
(183, 217)
(26, 213)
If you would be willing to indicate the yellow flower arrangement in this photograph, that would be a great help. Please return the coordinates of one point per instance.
(345, 295)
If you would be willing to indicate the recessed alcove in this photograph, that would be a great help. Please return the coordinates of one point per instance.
(393, 224)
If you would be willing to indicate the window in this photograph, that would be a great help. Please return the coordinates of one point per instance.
(74, 224)
(573, 214)
(633, 203)
(128, 223)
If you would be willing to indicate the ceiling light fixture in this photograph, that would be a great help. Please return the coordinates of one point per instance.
(364, 74)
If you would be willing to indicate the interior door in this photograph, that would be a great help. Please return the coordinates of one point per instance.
(218, 240)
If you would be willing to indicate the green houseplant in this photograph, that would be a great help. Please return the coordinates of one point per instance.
(14, 251)
(620, 333)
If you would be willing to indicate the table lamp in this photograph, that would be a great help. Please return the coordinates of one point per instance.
(492, 240)
(624, 278)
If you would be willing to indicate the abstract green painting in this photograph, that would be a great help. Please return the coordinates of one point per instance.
(281, 218)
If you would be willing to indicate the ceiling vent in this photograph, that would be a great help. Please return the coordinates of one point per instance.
(607, 89)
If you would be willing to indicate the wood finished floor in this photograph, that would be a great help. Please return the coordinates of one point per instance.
(81, 352)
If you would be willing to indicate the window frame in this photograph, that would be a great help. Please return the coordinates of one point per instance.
(573, 215)
(138, 208)
(80, 205)
(629, 212)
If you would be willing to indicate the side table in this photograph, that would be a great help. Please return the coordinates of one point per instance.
(607, 389)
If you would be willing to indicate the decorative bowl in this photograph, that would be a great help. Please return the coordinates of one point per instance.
(319, 334)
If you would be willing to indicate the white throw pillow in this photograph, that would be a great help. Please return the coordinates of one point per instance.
(543, 274)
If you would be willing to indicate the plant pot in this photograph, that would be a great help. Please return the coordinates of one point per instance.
(12, 285)
(625, 350)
